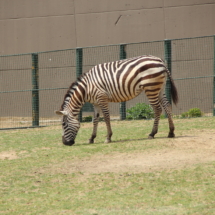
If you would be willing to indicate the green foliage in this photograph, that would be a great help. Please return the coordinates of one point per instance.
(87, 119)
(90, 119)
(193, 112)
(162, 116)
(185, 115)
(140, 111)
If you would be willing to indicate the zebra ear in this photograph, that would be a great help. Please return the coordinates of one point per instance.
(61, 113)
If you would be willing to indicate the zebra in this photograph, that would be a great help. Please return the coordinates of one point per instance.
(117, 81)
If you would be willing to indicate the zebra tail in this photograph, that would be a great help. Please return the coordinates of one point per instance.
(174, 92)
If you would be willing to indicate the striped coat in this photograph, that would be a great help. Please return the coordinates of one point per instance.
(117, 82)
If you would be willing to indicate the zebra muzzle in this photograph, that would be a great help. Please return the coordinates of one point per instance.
(68, 143)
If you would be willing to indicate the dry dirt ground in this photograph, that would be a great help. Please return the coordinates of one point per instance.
(182, 152)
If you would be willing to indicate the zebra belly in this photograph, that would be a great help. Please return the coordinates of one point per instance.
(127, 98)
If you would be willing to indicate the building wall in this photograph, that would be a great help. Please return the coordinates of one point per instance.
(28, 26)
(34, 26)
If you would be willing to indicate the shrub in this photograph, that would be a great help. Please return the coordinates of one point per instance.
(184, 115)
(193, 112)
(162, 116)
(90, 119)
(140, 111)
(87, 119)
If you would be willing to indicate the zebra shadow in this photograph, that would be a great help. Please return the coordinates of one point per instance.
(133, 139)
(156, 138)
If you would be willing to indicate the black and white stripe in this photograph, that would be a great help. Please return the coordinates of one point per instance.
(117, 82)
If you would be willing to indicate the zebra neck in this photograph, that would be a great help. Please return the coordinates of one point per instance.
(74, 99)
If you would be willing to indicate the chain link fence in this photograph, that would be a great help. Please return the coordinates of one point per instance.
(32, 86)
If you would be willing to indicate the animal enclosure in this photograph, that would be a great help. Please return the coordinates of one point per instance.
(32, 85)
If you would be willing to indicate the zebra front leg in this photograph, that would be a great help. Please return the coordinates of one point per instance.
(167, 107)
(106, 114)
(95, 123)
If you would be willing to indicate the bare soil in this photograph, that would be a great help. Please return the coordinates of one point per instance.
(8, 155)
(181, 152)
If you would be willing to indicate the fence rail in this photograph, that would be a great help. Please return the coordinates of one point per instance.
(33, 85)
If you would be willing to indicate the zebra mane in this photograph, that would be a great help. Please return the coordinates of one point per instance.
(71, 90)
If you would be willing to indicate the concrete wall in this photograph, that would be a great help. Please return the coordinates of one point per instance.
(43, 25)
(28, 26)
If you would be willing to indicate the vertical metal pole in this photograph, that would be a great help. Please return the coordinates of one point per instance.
(122, 104)
(79, 65)
(168, 59)
(35, 92)
(214, 82)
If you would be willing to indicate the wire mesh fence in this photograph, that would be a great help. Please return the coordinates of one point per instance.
(32, 86)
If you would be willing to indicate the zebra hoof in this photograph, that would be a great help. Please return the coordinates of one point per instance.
(171, 135)
(150, 137)
(91, 141)
(107, 141)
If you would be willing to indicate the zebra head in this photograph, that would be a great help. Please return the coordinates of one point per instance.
(70, 126)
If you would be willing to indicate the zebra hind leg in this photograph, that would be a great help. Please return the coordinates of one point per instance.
(157, 111)
(95, 123)
(167, 107)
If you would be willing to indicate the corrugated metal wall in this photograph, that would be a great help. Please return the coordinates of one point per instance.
(32, 26)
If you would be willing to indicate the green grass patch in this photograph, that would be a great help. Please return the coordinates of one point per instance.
(30, 185)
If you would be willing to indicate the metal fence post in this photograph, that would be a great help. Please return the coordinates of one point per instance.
(122, 56)
(168, 60)
(214, 81)
(35, 92)
(79, 65)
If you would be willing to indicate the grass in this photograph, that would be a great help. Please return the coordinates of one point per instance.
(30, 185)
